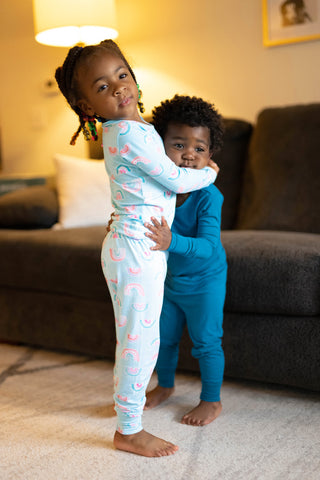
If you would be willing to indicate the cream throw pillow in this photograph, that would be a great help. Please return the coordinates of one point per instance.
(83, 192)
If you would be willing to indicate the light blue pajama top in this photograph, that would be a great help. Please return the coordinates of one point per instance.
(143, 179)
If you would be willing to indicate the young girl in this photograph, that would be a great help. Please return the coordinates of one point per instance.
(98, 82)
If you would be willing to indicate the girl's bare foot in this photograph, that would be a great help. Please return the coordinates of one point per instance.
(157, 396)
(143, 443)
(203, 414)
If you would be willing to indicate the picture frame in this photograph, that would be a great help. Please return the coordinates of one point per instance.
(290, 21)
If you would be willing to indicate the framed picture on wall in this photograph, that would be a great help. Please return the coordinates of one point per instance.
(290, 21)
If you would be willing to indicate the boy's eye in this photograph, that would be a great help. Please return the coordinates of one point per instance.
(199, 149)
(102, 87)
(178, 145)
(123, 75)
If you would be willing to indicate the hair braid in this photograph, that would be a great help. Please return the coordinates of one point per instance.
(64, 75)
(64, 78)
(75, 136)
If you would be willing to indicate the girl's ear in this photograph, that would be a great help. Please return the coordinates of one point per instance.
(86, 108)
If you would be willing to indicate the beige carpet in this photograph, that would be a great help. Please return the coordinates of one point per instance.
(56, 423)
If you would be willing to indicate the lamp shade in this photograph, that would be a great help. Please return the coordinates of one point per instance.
(65, 23)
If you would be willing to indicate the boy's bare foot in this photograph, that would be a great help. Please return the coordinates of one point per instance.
(143, 443)
(203, 414)
(157, 396)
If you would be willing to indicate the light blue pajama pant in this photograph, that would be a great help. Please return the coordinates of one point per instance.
(135, 276)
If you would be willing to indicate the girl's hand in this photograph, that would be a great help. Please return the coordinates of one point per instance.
(108, 227)
(161, 233)
(213, 165)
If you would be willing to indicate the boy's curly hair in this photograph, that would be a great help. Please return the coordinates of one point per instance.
(191, 111)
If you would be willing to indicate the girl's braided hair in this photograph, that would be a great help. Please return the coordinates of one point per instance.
(191, 111)
(66, 77)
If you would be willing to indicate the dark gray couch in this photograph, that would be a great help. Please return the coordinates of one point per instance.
(53, 293)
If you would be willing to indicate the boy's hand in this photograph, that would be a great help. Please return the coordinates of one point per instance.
(213, 165)
(161, 234)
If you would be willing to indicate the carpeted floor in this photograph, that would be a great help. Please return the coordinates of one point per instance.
(57, 423)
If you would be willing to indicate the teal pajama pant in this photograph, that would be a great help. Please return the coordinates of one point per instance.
(203, 315)
(135, 277)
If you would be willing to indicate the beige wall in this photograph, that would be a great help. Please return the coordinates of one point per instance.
(209, 48)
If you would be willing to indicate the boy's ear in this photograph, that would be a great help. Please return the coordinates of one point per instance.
(85, 107)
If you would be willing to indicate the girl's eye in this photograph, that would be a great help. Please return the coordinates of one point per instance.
(199, 149)
(123, 75)
(178, 145)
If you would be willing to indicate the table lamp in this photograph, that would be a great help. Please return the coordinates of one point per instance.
(65, 23)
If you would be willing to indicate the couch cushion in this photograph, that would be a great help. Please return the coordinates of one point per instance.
(231, 160)
(281, 189)
(273, 272)
(269, 272)
(31, 207)
(65, 261)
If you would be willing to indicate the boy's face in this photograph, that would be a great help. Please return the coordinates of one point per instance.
(188, 146)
